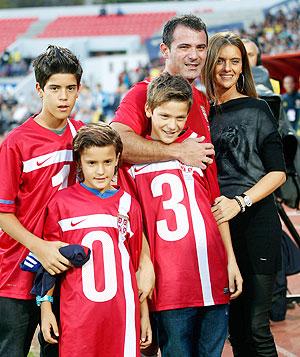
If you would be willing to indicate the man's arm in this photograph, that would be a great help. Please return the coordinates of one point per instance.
(138, 150)
(46, 252)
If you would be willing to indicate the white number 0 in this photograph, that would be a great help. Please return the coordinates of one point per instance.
(172, 204)
(109, 264)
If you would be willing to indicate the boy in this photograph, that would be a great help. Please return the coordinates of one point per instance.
(35, 162)
(98, 304)
(191, 294)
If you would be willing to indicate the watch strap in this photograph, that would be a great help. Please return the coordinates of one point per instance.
(40, 299)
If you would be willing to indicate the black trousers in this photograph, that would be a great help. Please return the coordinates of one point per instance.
(249, 325)
(18, 322)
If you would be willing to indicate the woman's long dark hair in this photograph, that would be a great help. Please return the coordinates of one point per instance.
(245, 86)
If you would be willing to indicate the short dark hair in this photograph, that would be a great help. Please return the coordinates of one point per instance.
(95, 135)
(56, 60)
(166, 88)
(191, 21)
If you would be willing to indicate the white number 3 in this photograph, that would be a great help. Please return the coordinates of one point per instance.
(172, 204)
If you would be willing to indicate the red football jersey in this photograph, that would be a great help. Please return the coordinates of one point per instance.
(34, 163)
(99, 307)
(131, 112)
(186, 246)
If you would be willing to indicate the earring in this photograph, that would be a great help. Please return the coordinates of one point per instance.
(239, 87)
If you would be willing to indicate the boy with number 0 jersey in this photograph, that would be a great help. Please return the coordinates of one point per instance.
(99, 305)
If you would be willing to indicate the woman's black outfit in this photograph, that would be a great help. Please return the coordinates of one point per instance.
(248, 146)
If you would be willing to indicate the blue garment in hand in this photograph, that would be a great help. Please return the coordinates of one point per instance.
(75, 253)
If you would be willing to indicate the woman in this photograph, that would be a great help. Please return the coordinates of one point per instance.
(250, 168)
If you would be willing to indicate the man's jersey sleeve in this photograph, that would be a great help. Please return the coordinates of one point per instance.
(10, 178)
(131, 111)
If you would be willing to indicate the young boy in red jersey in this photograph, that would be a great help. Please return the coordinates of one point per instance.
(99, 314)
(36, 161)
(195, 278)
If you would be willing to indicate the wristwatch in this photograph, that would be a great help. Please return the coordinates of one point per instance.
(247, 200)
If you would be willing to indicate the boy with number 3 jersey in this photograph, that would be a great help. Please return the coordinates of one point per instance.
(187, 248)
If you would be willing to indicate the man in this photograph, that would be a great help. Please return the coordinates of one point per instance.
(291, 102)
(260, 73)
(184, 48)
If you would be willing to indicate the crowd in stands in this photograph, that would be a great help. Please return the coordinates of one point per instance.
(12, 64)
(278, 33)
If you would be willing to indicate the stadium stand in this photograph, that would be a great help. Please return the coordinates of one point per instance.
(10, 29)
(143, 24)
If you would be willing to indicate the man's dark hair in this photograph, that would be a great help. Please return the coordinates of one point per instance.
(191, 21)
(56, 60)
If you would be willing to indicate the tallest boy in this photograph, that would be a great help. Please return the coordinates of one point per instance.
(184, 48)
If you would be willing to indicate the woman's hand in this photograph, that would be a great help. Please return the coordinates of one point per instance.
(224, 209)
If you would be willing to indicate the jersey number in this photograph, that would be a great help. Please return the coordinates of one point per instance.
(61, 178)
(180, 212)
(109, 265)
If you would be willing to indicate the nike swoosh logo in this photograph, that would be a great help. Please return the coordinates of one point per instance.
(73, 224)
(40, 163)
(141, 168)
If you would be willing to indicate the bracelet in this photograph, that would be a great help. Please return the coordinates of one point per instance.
(40, 299)
(242, 207)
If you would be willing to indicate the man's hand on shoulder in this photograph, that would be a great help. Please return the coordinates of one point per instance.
(194, 152)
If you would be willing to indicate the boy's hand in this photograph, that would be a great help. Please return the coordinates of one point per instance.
(224, 209)
(145, 279)
(146, 331)
(194, 152)
(49, 256)
(235, 280)
(49, 324)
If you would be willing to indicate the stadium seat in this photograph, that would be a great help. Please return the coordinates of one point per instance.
(143, 24)
(10, 29)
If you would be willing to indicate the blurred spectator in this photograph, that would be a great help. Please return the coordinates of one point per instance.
(84, 107)
(102, 11)
(12, 64)
(291, 102)
(260, 73)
